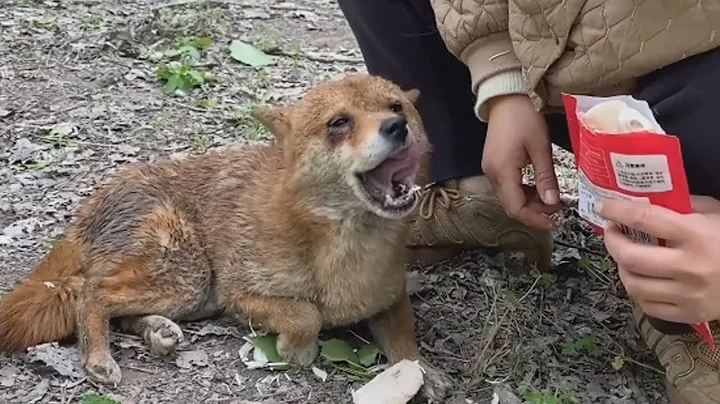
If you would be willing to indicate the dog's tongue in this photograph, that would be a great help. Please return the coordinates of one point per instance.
(396, 168)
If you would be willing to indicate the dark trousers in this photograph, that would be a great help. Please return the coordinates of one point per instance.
(399, 41)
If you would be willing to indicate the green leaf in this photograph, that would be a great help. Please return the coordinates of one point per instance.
(584, 345)
(536, 397)
(202, 42)
(174, 82)
(249, 55)
(208, 77)
(163, 73)
(172, 53)
(191, 52)
(39, 165)
(97, 399)
(618, 362)
(156, 56)
(267, 344)
(368, 355)
(51, 242)
(197, 77)
(336, 350)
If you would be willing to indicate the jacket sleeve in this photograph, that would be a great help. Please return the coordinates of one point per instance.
(476, 32)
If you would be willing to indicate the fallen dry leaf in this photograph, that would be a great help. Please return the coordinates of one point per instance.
(38, 392)
(321, 374)
(64, 360)
(503, 395)
(7, 376)
(188, 359)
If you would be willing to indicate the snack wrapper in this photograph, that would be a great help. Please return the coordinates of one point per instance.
(621, 152)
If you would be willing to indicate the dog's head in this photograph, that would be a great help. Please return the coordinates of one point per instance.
(357, 143)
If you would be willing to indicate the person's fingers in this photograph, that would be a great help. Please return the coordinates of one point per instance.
(534, 202)
(508, 188)
(667, 311)
(642, 259)
(540, 153)
(645, 217)
(510, 192)
(533, 218)
(704, 204)
(538, 206)
(649, 288)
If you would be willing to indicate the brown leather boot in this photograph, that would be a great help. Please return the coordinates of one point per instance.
(450, 220)
(692, 368)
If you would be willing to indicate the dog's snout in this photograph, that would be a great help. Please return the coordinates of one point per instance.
(395, 129)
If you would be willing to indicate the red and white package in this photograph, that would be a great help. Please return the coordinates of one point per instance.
(621, 152)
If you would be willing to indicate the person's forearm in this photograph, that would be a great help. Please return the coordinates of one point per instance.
(509, 82)
(477, 34)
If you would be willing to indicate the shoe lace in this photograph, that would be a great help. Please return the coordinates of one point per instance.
(436, 195)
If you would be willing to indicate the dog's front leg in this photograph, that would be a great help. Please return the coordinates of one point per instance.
(394, 330)
(297, 323)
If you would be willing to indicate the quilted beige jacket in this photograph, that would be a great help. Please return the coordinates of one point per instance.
(597, 47)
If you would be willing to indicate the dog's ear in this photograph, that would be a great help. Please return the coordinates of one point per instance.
(413, 95)
(276, 119)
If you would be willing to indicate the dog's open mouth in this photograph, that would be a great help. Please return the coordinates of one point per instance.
(390, 186)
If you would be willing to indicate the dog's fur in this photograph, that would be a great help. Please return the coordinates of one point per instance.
(275, 234)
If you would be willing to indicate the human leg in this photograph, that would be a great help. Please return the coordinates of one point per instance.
(684, 98)
(399, 41)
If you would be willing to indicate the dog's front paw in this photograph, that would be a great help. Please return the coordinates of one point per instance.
(102, 368)
(437, 385)
(302, 355)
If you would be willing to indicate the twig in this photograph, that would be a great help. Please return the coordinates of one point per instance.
(84, 143)
(479, 358)
(69, 398)
(579, 248)
(359, 337)
(633, 361)
(190, 107)
(317, 57)
(139, 369)
(88, 2)
(532, 287)
(178, 3)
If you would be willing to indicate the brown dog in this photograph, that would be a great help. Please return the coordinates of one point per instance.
(303, 234)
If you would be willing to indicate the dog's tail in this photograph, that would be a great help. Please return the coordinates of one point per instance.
(42, 308)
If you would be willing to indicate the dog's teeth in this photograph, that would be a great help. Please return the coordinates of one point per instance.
(407, 194)
(388, 200)
(393, 202)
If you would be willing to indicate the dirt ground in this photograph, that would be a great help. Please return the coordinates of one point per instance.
(79, 98)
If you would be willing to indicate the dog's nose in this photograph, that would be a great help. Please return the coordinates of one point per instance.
(395, 129)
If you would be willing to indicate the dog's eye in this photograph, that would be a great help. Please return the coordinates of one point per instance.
(339, 122)
(396, 107)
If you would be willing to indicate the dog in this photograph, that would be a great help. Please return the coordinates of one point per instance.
(302, 234)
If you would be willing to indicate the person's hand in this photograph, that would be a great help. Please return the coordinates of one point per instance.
(518, 135)
(681, 281)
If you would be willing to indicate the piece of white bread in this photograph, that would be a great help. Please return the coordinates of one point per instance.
(615, 117)
(396, 385)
